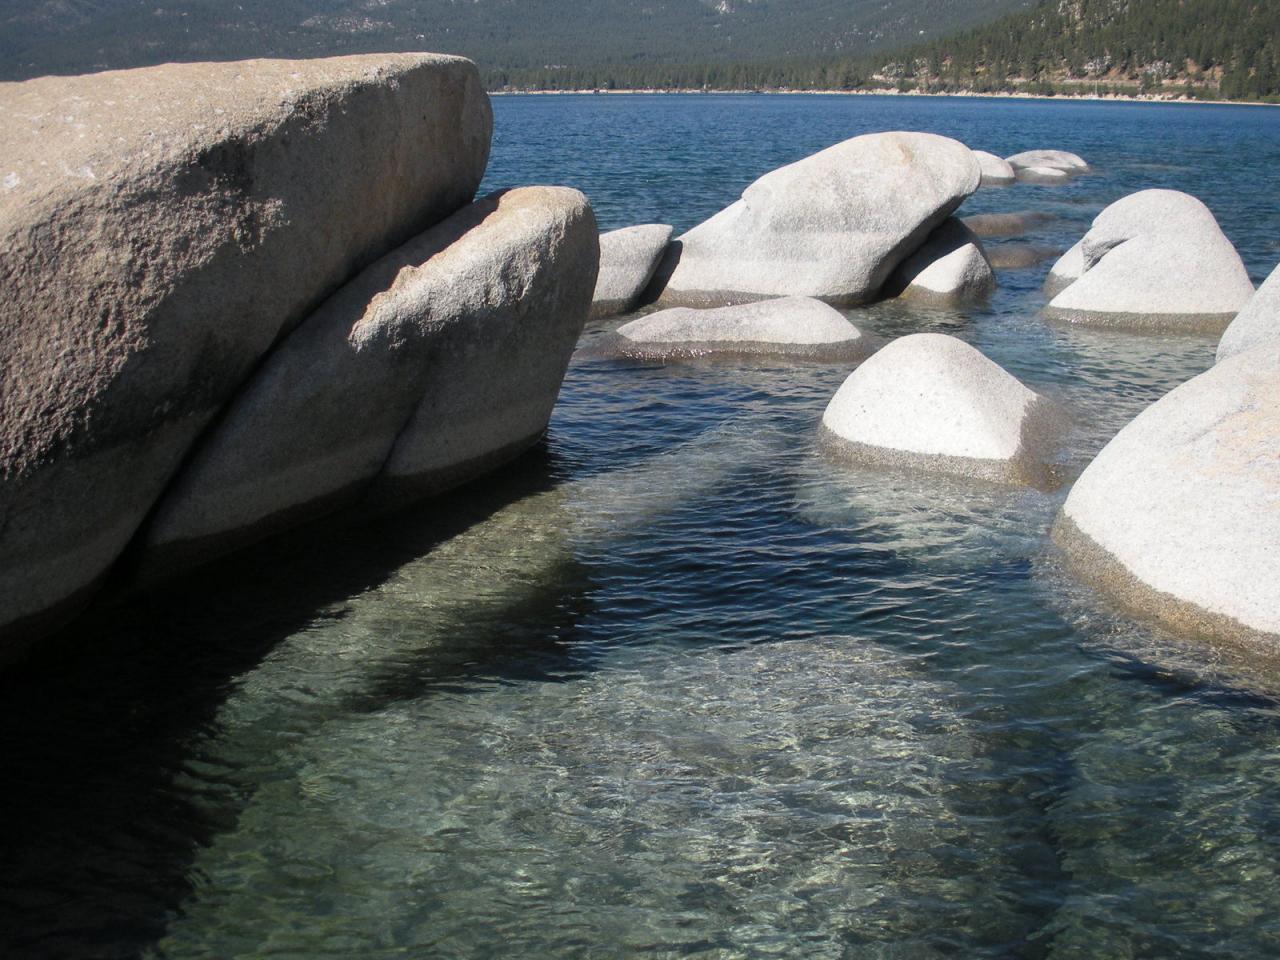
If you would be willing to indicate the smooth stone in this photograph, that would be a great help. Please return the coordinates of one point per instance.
(1011, 224)
(1062, 160)
(1178, 516)
(950, 267)
(1019, 256)
(790, 326)
(628, 259)
(831, 226)
(475, 319)
(162, 228)
(1154, 260)
(1257, 323)
(996, 171)
(931, 401)
(1066, 271)
(1043, 175)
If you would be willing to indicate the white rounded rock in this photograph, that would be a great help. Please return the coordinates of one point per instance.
(1179, 515)
(831, 226)
(1257, 323)
(628, 259)
(1063, 160)
(788, 326)
(1066, 271)
(1158, 260)
(950, 267)
(996, 171)
(931, 401)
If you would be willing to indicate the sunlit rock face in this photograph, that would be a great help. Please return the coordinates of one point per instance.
(996, 172)
(628, 259)
(1157, 260)
(1177, 517)
(832, 226)
(472, 321)
(951, 267)
(1257, 323)
(1042, 160)
(162, 228)
(930, 401)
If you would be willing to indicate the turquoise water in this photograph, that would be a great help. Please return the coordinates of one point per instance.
(675, 685)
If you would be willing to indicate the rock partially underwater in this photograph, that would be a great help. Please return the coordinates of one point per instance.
(1154, 260)
(831, 226)
(162, 228)
(1178, 517)
(796, 327)
(930, 401)
(996, 172)
(436, 363)
(950, 268)
(628, 259)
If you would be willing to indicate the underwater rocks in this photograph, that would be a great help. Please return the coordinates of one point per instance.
(628, 259)
(1155, 260)
(437, 362)
(831, 226)
(162, 227)
(1012, 224)
(799, 327)
(950, 267)
(1257, 323)
(1177, 516)
(931, 401)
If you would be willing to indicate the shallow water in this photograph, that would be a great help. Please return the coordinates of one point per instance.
(676, 684)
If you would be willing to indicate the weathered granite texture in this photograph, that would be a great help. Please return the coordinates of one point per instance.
(160, 229)
(628, 259)
(1257, 322)
(951, 267)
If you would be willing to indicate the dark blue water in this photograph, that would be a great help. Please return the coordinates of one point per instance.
(675, 685)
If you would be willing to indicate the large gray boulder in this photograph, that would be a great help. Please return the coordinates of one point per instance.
(951, 267)
(159, 230)
(1257, 323)
(996, 172)
(789, 326)
(1179, 515)
(934, 402)
(476, 317)
(832, 226)
(628, 259)
(1062, 160)
(1155, 259)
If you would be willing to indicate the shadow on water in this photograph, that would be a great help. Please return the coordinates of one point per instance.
(97, 842)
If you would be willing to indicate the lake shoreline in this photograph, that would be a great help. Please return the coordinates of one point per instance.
(963, 95)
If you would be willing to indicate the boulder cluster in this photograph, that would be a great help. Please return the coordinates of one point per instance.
(243, 296)
(237, 296)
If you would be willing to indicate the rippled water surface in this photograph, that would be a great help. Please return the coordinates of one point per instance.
(675, 684)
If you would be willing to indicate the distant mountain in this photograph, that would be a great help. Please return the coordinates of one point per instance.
(64, 36)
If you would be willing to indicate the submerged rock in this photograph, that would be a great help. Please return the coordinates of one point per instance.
(996, 172)
(1018, 256)
(791, 326)
(1061, 160)
(950, 267)
(1177, 516)
(1155, 259)
(471, 323)
(831, 226)
(1257, 323)
(161, 229)
(628, 259)
(1010, 224)
(934, 402)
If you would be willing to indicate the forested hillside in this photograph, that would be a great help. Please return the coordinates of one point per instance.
(532, 37)
(1199, 48)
